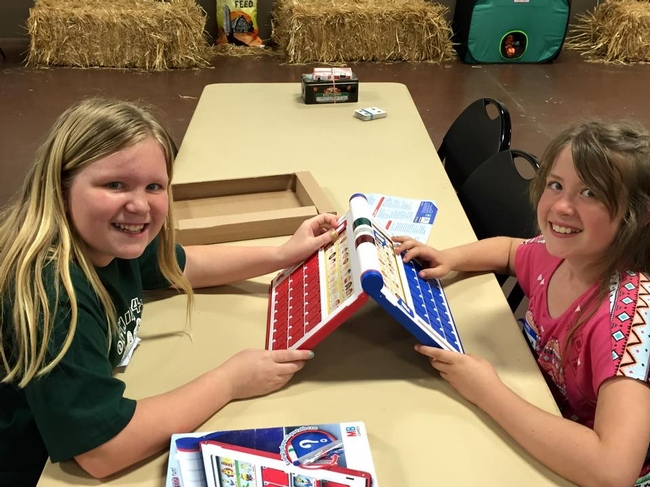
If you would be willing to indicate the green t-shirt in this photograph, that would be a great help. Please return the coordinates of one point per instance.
(79, 405)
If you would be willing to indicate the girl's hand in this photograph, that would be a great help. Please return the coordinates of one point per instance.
(473, 377)
(310, 236)
(257, 372)
(436, 261)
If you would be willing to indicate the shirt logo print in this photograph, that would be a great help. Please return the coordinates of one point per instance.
(130, 316)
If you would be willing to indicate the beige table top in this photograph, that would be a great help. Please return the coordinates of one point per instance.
(419, 427)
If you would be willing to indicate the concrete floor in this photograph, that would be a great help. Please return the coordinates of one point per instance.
(541, 98)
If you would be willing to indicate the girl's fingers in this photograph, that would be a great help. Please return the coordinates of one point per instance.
(326, 220)
(411, 254)
(439, 366)
(433, 273)
(405, 243)
(437, 354)
(289, 368)
(285, 356)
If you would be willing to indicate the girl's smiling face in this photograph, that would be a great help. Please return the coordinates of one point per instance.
(576, 225)
(119, 203)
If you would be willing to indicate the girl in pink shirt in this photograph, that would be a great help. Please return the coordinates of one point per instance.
(588, 320)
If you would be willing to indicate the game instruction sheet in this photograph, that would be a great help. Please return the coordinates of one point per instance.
(404, 216)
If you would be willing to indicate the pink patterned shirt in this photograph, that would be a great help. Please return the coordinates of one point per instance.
(613, 342)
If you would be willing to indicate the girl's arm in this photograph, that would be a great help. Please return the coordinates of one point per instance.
(612, 454)
(246, 374)
(491, 254)
(213, 265)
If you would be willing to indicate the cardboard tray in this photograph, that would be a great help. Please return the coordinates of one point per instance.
(240, 209)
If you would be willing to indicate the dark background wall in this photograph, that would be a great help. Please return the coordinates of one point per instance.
(14, 13)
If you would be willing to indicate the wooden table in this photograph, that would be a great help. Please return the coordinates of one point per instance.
(421, 431)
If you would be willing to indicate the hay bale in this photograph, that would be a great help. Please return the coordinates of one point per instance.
(147, 34)
(327, 31)
(614, 32)
(232, 50)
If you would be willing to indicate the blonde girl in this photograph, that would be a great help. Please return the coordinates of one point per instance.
(90, 230)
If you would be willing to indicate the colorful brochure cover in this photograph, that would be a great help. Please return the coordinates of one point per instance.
(323, 455)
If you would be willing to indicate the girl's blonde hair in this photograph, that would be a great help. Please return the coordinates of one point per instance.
(38, 243)
(613, 160)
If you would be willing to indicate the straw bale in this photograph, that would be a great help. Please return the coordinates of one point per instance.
(614, 32)
(147, 34)
(232, 50)
(331, 31)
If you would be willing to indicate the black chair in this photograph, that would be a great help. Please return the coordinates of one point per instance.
(474, 136)
(495, 199)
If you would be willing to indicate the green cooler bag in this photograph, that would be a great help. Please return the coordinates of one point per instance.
(510, 31)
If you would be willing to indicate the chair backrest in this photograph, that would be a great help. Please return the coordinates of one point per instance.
(474, 137)
(495, 200)
(495, 197)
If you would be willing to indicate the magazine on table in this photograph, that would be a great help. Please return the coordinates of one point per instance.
(321, 455)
